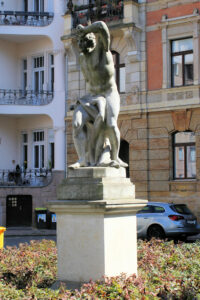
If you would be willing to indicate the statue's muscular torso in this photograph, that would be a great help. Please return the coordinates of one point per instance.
(98, 70)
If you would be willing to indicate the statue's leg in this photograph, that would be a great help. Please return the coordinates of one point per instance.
(80, 117)
(113, 133)
(97, 136)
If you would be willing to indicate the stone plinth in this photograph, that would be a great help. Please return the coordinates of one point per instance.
(96, 234)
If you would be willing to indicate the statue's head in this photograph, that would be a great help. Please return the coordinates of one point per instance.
(87, 43)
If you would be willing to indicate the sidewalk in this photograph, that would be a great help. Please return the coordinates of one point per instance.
(13, 236)
(28, 231)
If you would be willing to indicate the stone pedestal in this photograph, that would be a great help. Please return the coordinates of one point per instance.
(96, 224)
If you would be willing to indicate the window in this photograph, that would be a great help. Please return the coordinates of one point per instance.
(119, 72)
(38, 149)
(26, 5)
(51, 149)
(38, 69)
(39, 5)
(52, 161)
(51, 58)
(25, 150)
(158, 209)
(182, 62)
(146, 210)
(184, 153)
(24, 66)
(181, 209)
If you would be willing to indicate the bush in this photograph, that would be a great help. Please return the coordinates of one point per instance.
(165, 271)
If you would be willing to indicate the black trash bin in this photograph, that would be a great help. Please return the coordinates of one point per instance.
(41, 218)
(53, 220)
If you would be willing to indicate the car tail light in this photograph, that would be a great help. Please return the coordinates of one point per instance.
(176, 217)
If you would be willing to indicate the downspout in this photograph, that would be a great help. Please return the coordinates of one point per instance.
(66, 97)
(147, 111)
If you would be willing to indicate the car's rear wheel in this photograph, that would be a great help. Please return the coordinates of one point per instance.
(155, 231)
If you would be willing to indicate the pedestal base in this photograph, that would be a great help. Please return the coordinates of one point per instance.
(96, 238)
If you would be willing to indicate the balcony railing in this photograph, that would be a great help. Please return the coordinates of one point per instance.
(106, 11)
(25, 18)
(21, 97)
(26, 178)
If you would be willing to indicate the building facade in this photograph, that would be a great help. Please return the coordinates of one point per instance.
(155, 46)
(32, 107)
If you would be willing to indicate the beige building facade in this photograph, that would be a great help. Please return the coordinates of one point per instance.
(155, 45)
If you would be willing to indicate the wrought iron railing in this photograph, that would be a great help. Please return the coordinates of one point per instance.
(27, 178)
(25, 97)
(25, 18)
(106, 11)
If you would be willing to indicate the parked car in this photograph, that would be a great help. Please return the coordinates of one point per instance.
(162, 220)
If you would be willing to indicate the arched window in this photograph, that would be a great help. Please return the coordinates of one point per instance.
(184, 154)
(124, 154)
(119, 72)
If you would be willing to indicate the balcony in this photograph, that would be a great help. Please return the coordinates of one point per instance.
(106, 11)
(25, 178)
(25, 18)
(22, 97)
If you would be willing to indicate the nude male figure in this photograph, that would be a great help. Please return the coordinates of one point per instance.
(98, 69)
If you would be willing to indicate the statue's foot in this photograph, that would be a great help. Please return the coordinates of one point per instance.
(104, 164)
(118, 163)
(122, 163)
(114, 164)
(77, 165)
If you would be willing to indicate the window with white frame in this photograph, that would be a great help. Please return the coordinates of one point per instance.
(25, 5)
(39, 5)
(25, 150)
(51, 72)
(182, 62)
(51, 151)
(38, 149)
(24, 78)
(184, 152)
(38, 73)
(119, 72)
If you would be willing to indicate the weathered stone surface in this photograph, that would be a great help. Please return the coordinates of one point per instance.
(181, 119)
(161, 143)
(139, 165)
(139, 123)
(183, 186)
(131, 135)
(96, 184)
(158, 164)
(138, 155)
(161, 120)
(125, 126)
(138, 144)
(138, 175)
(141, 187)
(159, 186)
(96, 172)
(159, 154)
(159, 175)
(96, 220)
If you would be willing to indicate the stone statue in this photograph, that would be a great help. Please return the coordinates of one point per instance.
(95, 131)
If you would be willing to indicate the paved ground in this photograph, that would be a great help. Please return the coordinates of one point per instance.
(15, 236)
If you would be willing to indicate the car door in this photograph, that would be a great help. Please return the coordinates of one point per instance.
(144, 218)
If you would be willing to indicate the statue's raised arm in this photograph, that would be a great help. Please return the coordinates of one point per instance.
(98, 27)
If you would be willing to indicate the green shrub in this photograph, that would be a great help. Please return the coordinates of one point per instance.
(165, 271)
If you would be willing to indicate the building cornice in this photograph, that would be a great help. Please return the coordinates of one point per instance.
(164, 4)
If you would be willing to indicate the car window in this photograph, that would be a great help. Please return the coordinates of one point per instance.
(158, 209)
(146, 210)
(181, 209)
